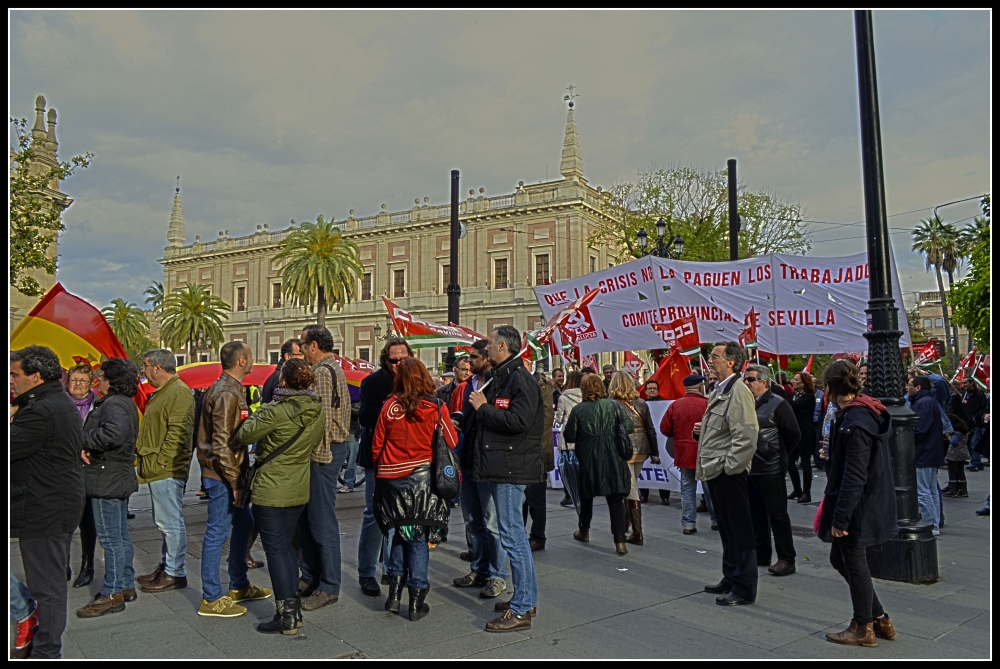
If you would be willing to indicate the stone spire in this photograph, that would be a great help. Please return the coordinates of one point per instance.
(51, 145)
(38, 130)
(571, 166)
(175, 233)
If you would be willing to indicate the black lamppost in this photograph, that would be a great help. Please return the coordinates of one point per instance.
(661, 250)
(912, 555)
(454, 290)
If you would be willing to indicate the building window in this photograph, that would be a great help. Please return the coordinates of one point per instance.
(445, 278)
(181, 359)
(500, 273)
(927, 323)
(399, 283)
(593, 264)
(365, 353)
(542, 270)
(938, 323)
(275, 295)
(203, 357)
(274, 357)
(366, 286)
(241, 298)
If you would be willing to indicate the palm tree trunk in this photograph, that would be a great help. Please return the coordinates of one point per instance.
(321, 307)
(191, 351)
(944, 311)
(954, 328)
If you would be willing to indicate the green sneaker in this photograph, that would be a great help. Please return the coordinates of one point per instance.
(223, 607)
(249, 593)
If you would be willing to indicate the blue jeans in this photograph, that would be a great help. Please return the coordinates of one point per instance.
(689, 500)
(975, 435)
(351, 473)
(223, 515)
(409, 557)
(22, 606)
(166, 496)
(929, 496)
(489, 560)
(110, 520)
(319, 529)
(370, 539)
(569, 472)
(509, 500)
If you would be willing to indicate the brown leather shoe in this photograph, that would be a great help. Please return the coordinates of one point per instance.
(509, 622)
(500, 607)
(536, 545)
(855, 635)
(166, 582)
(130, 595)
(155, 574)
(102, 605)
(318, 600)
(883, 628)
(782, 568)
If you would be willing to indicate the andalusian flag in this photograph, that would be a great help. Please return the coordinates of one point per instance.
(70, 326)
(419, 333)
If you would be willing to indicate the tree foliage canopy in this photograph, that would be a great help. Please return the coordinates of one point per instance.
(34, 223)
(128, 322)
(192, 315)
(970, 297)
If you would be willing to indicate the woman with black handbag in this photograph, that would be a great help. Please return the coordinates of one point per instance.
(407, 497)
(109, 436)
(286, 431)
(593, 428)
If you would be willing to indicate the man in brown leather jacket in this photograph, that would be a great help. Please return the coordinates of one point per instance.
(223, 460)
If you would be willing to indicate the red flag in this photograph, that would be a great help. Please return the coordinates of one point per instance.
(669, 376)
(925, 354)
(632, 365)
(809, 366)
(425, 334)
(771, 357)
(967, 363)
(748, 337)
(982, 373)
(704, 364)
(681, 334)
(589, 361)
(345, 363)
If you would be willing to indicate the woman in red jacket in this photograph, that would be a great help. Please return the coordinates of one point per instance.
(402, 451)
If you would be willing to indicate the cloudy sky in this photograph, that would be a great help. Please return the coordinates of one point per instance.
(272, 116)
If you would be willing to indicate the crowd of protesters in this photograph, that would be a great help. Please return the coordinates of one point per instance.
(79, 450)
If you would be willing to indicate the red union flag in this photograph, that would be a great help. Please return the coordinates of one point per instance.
(982, 374)
(426, 334)
(748, 337)
(680, 334)
(925, 354)
(967, 364)
(632, 365)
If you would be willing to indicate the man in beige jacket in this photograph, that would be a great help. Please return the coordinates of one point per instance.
(727, 440)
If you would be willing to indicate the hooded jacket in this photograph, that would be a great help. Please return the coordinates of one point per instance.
(567, 400)
(860, 494)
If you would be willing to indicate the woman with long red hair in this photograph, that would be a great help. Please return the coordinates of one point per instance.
(405, 499)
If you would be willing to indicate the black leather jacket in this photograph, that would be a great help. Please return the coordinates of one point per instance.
(778, 433)
(409, 500)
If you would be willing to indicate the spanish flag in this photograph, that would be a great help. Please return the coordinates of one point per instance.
(70, 326)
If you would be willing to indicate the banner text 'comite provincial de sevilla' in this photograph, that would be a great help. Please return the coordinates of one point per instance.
(800, 305)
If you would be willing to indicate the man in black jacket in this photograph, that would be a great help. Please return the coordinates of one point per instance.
(976, 406)
(778, 433)
(46, 486)
(509, 423)
(290, 349)
(375, 389)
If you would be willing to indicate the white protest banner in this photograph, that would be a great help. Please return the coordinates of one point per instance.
(801, 305)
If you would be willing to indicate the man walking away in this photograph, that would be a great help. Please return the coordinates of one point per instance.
(46, 486)
(163, 452)
(928, 442)
(223, 461)
(319, 529)
(509, 422)
(727, 441)
(778, 433)
(678, 424)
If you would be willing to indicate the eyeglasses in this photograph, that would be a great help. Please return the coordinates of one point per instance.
(73, 382)
(715, 356)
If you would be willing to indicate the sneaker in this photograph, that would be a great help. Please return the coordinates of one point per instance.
(249, 593)
(509, 622)
(26, 630)
(470, 580)
(223, 607)
(494, 588)
(345, 489)
(985, 511)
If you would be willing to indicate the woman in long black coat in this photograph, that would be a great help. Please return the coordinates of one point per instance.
(803, 403)
(859, 504)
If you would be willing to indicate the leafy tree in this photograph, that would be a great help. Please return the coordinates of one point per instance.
(138, 350)
(127, 321)
(192, 318)
(35, 223)
(319, 263)
(154, 296)
(694, 203)
(937, 241)
(971, 296)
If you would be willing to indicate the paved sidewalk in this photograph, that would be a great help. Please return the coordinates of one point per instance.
(592, 603)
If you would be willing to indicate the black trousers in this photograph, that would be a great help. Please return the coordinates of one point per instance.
(88, 533)
(732, 513)
(800, 454)
(45, 561)
(769, 512)
(616, 507)
(534, 505)
(852, 563)
(277, 526)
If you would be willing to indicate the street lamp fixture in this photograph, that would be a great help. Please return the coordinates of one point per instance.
(378, 331)
(661, 228)
(678, 247)
(661, 250)
(643, 239)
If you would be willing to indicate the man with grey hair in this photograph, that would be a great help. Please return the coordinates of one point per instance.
(728, 438)
(163, 452)
(778, 433)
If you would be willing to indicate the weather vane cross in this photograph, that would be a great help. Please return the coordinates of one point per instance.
(178, 183)
(569, 96)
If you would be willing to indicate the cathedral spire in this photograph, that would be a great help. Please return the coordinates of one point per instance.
(175, 233)
(571, 166)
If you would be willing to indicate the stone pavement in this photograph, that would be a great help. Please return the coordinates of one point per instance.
(592, 603)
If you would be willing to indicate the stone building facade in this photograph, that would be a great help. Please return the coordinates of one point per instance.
(536, 234)
(932, 320)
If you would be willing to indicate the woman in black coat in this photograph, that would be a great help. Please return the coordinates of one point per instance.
(109, 436)
(859, 504)
(803, 403)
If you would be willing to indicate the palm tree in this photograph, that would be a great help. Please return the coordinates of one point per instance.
(154, 296)
(320, 262)
(192, 318)
(127, 321)
(937, 241)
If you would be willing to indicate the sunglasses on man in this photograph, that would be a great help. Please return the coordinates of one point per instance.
(750, 379)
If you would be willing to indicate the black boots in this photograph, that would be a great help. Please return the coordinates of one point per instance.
(287, 619)
(951, 490)
(418, 609)
(86, 574)
(395, 594)
(963, 489)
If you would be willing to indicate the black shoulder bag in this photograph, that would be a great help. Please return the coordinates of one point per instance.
(447, 477)
(251, 472)
(623, 440)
